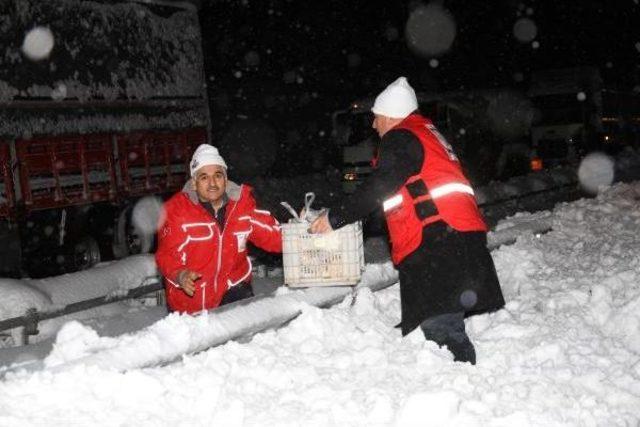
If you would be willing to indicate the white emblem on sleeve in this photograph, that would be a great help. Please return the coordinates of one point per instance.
(242, 236)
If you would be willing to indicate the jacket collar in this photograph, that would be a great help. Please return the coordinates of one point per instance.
(412, 119)
(232, 192)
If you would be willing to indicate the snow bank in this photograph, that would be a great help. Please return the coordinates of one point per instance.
(54, 293)
(109, 279)
(18, 296)
(177, 335)
(564, 351)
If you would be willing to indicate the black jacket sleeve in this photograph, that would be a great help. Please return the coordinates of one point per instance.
(400, 156)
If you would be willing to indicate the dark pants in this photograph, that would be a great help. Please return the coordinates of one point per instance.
(236, 293)
(450, 272)
(448, 330)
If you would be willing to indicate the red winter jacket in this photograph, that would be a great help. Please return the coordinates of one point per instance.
(190, 238)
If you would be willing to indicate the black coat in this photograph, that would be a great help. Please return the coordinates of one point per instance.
(451, 271)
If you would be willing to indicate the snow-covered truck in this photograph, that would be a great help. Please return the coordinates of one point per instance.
(101, 105)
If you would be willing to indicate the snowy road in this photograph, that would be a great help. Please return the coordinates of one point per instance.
(564, 351)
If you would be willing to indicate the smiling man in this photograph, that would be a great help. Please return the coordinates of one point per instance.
(202, 241)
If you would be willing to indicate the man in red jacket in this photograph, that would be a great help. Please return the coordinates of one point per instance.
(202, 240)
(438, 236)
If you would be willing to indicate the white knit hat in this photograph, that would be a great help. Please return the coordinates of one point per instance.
(206, 155)
(397, 101)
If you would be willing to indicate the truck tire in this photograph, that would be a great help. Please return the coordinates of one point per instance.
(127, 239)
(86, 253)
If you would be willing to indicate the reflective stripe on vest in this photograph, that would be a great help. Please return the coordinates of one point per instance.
(392, 202)
(454, 187)
(443, 190)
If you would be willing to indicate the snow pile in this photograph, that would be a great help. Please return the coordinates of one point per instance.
(18, 296)
(176, 334)
(564, 351)
(56, 292)
(113, 278)
(508, 231)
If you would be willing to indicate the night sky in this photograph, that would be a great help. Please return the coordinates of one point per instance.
(293, 62)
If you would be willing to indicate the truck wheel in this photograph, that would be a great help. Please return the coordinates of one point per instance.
(125, 240)
(129, 239)
(86, 253)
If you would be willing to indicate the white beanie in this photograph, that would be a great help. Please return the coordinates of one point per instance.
(397, 101)
(206, 155)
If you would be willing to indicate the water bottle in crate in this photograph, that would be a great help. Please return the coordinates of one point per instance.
(331, 259)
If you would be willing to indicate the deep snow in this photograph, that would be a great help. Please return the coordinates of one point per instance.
(564, 351)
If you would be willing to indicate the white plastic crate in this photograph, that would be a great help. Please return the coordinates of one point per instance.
(332, 259)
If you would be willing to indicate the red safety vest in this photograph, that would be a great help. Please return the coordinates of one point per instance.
(440, 191)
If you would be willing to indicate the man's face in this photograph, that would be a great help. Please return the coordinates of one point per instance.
(210, 183)
(382, 124)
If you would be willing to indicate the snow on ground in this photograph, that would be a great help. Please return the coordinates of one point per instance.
(54, 293)
(564, 351)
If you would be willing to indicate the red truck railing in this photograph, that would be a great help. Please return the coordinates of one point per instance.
(7, 195)
(66, 170)
(61, 171)
(156, 162)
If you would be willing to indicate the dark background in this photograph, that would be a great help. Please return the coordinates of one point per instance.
(286, 65)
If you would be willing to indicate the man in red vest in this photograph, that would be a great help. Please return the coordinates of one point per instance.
(437, 233)
(202, 240)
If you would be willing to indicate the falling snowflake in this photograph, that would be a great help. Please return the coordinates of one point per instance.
(595, 172)
(252, 59)
(391, 33)
(147, 214)
(525, 30)
(38, 43)
(430, 30)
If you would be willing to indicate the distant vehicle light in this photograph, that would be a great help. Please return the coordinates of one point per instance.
(350, 176)
(607, 138)
(536, 164)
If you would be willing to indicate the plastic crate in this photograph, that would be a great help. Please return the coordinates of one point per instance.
(332, 259)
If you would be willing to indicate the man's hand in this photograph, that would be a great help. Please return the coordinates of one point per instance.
(187, 279)
(321, 224)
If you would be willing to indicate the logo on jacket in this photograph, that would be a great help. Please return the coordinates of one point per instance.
(242, 240)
